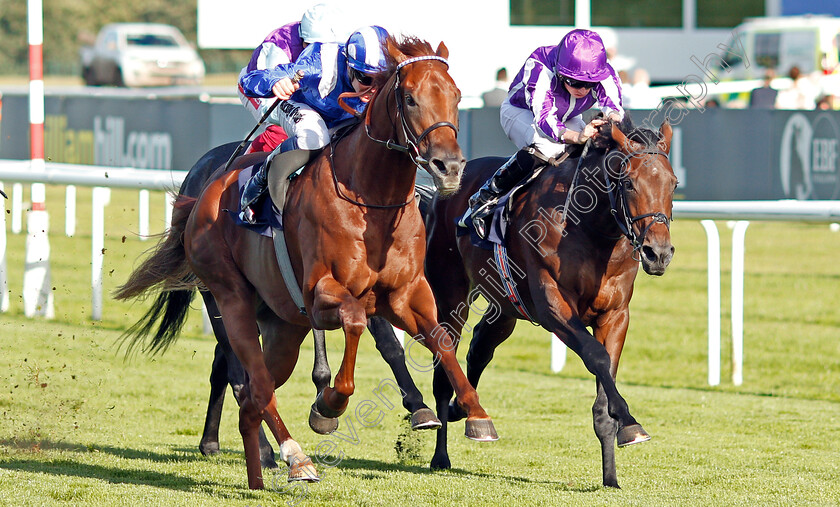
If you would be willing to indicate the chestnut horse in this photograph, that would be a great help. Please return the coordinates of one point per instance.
(227, 369)
(567, 278)
(356, 242)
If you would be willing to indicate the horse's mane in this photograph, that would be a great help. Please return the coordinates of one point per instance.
(408, 45)
(647, 137)
(604, 141)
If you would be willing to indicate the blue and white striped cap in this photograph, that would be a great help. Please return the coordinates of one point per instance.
(365, 49)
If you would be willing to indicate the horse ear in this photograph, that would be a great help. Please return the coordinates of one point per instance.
(394, 51)
(665, 133)
(442, 50)
(625, 144)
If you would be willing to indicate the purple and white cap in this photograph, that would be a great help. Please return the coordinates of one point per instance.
(581, 55)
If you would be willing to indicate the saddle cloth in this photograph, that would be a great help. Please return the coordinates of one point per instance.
(266, 215)
(497, 232)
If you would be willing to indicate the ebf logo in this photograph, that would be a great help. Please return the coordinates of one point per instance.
(809, 157)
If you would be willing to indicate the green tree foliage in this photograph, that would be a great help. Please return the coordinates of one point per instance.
(70, 24)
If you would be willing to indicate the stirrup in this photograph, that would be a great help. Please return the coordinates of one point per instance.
(480, 227)
(248, 216)
(247, 213)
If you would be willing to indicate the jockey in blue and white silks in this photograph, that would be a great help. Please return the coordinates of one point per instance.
(309, 108)
(542, 112)
(320, 23)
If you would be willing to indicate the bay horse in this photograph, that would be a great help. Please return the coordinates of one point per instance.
(356, 243)
(226, 368)
(570, 275)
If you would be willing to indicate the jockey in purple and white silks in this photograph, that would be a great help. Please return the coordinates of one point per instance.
(542, 113)
(309, 108)
(320, 23)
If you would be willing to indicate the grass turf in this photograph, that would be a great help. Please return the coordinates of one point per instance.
(81, 425)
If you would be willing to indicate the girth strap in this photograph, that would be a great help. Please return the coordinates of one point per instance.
(286, 269)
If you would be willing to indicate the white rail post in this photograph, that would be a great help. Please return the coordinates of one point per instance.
(70, 211)
(143, 208)
(38, 298)
(739, 233)
(101, 198)
(558, 353)
(4, 275)
(713, 254)
(17, 208)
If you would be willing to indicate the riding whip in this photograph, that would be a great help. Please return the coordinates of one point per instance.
(295, 79)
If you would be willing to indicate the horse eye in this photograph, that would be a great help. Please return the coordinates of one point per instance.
(409, 100)
(628, 185)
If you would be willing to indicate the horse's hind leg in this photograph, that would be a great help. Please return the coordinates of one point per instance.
(489, 333)
(392, 351)
(281, 346)
(226, 370)
(209, 444)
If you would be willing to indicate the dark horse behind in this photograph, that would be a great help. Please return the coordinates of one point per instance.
(572, 270)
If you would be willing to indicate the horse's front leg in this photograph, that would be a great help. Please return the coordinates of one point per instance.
(333, 304)
(321, 378)
(422, 417)
(418, 316)
(558, 316)
(611, 330)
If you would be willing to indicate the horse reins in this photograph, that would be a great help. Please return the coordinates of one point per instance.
(412, 141)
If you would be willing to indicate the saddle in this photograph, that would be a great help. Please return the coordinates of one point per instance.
(266, 214)
(500, 216)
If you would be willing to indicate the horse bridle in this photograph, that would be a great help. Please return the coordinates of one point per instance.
(412, 141)
(618, 199)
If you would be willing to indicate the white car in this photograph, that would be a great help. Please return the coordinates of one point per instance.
(141, 54)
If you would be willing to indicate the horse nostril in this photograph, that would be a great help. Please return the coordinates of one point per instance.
(447, 166)
(439, 165)
(649, 253)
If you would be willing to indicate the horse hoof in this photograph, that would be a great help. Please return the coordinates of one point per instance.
(320, 424)
(456, 413)
(424, 419)
(632, 434)
(268, 462)
(481, 430)
(441, 463)
(303, 470)
(209, 449)
(324, 409)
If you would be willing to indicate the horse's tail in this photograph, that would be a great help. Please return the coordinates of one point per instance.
(166, 272)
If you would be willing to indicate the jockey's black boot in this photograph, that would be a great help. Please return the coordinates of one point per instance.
(254, 189)
(284, 164)
(517, 168)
